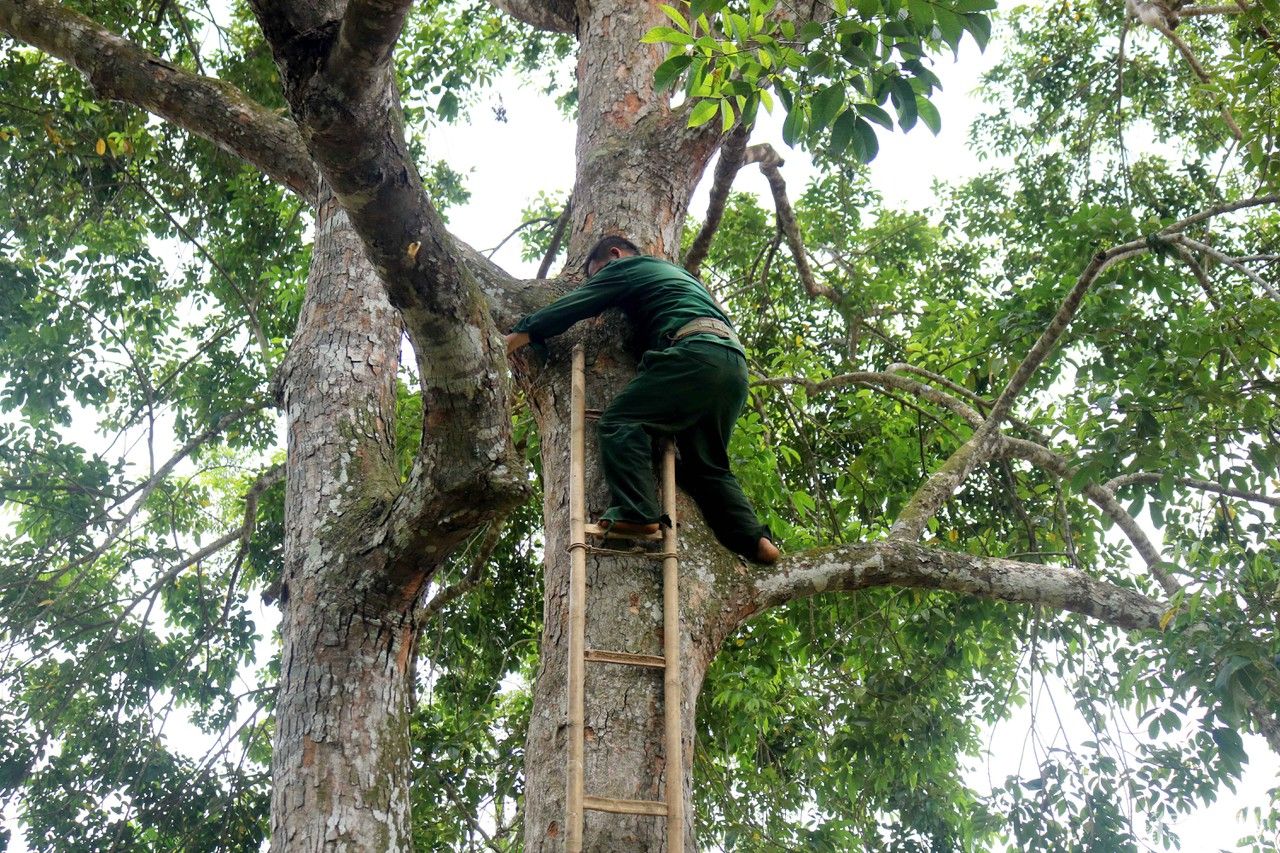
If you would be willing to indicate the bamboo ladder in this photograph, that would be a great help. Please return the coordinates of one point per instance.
(576, 802)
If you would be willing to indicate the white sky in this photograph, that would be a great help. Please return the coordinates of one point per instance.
(507, 164)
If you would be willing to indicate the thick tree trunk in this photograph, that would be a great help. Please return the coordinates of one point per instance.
(637, 168)
(341, 753)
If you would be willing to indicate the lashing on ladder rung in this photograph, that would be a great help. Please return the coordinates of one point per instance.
(634, 552)
(576, 800)
(657, 808)
(626, 658)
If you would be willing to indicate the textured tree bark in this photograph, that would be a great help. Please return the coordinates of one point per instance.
(637, 163)
(341, 747)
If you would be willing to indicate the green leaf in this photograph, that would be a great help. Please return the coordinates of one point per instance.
(676, 18)
(951, 26)
(876, 114)
(904, 100)
(666, 75)
(842, 133)
(810, 31)
(802, 501)
(669, 35)
(794, 125)
(980, 27)
(826, 103)
(865, 144)
(703, 112)
(928, 114)
(726, 116)
(921, 12)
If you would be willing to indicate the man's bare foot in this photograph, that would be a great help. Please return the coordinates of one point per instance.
(630, 528)
(767, 552)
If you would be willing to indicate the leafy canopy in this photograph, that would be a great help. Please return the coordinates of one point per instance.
(152, 284)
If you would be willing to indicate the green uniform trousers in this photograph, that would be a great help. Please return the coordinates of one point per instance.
(693, 390)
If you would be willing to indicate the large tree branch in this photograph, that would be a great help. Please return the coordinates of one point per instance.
(119, 70)
(731, 160)
(1234, 263)
(926, 502)
(904, 564)
(556, 16)
(769, 167)
(362, 52)
(944, 482)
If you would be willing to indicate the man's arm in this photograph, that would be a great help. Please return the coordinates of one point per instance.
(603, 290)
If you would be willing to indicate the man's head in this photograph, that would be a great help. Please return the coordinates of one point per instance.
(607, 250)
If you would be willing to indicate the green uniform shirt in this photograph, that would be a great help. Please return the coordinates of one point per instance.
(657, 297)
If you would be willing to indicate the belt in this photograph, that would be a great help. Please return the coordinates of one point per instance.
(706, 326)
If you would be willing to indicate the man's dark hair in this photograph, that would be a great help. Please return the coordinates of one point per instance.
(600, 251)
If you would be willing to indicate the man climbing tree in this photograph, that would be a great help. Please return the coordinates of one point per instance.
(691, 385)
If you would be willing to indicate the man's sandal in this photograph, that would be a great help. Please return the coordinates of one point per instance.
(612, 527)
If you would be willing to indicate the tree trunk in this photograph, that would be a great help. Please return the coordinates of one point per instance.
(341, 749)
(637, 167)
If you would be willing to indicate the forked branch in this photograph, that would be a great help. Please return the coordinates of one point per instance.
(1102, 497)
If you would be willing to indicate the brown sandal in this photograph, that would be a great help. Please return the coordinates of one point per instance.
(612, 527)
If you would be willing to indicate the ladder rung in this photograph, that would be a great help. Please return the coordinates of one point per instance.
(656, 808)
(626, 658)
(597, 530)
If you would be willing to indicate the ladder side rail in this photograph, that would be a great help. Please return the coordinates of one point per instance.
(672, 700)
(577, 604)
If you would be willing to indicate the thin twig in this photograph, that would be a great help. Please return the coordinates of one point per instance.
(556, 239)
(1149, 478)
(473, 578)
